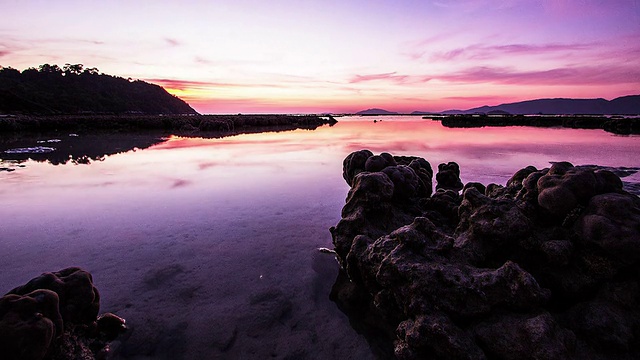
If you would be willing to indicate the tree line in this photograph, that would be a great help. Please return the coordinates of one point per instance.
(76, 89)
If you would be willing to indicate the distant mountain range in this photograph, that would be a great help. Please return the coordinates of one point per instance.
(625, 105)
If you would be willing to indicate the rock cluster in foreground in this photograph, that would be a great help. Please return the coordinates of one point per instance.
(546, 267)
(55, 316)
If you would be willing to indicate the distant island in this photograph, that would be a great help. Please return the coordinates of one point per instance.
(625, 105)
(376, 111)
(74, 89)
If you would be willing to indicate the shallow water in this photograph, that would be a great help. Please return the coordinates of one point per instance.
(208, 247)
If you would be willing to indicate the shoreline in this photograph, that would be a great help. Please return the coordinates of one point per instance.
(181, 123)
(616, 125)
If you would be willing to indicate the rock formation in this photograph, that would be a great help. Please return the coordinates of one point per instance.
(55, 316)
(546, 267)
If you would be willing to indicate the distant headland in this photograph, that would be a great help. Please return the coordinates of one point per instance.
(78, 99)
(75, 89)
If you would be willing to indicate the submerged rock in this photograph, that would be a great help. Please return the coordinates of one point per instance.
(55, 316)
(29, 324)
(546, 267)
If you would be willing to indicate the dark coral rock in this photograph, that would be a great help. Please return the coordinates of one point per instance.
(54, 316)
(448, 177)
(354, 164)
(545, 267)
(29, 324)
(379, 162)
(367, 208)
(518, 178)
(435, 336)
(442, 206)
(610, 222)
(558, 252)
(79, 299)
(489, 227)
(110, 325)
(476, 185)
(405, 181)
(564, 187)
(526, 337)
(604, 326)
(422, 168)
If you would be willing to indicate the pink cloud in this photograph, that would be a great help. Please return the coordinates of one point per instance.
(478, 51)
(203, 61)
(587, 75)
(172, 42)
(392, 76)
(179, 183)
(428, 41)
(569, 75)
(538, 49)
(589, 8)
(492, 99)
(189, 84)
(449, 55)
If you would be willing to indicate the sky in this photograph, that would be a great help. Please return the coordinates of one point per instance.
(316, 56)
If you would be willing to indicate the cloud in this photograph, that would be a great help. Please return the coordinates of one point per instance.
(4, 53)
(449, 55)
(392, 76)
(187, 84)
(172, 42)
(179, 183)
(537, 49)
(481, 52)
(570, 75)
(494, 99)
(591, 8)
(437, 38)
(586, 75)
(182, 85)
(94, 42)
(203, 61)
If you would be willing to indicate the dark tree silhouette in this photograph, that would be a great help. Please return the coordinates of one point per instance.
(74, 89)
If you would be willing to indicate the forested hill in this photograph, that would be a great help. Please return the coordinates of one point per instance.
(74, 89)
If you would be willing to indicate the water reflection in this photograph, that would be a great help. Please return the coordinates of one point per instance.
(491, 154)
(60, 149)
(207, 246)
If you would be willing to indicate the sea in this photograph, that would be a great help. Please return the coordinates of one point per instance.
(209, 247)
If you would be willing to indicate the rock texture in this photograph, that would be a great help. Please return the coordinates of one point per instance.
(546, 267)
(55, 316)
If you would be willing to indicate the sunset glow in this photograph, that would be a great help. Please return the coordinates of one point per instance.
(285, 56)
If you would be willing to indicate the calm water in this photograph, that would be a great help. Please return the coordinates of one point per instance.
(208, 246)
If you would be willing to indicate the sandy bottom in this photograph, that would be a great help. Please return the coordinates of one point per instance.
(204, 279)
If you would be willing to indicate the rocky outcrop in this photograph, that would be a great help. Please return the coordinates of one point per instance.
(545, 267)
(55, 316)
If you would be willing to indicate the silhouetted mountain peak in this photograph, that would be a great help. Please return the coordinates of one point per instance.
(376, 111)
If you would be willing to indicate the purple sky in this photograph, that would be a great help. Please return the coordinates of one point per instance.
(339, 56)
